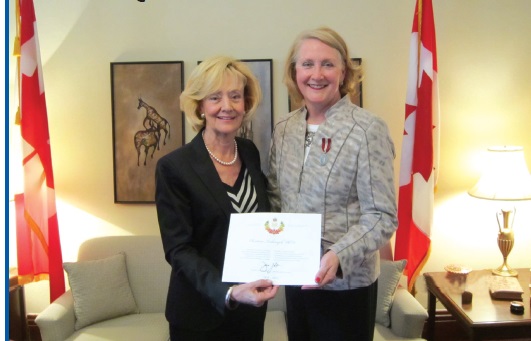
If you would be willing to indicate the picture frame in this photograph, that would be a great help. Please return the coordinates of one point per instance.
(357, 99)
(147, 124)
(260, 128)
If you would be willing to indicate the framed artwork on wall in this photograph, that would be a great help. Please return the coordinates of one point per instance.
(147, 123)
(357, 99)
(261, 127)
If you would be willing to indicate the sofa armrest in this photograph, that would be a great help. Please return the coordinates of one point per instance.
(56, 321)
(407, 315)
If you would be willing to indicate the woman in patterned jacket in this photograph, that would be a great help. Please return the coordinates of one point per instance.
(334, 158)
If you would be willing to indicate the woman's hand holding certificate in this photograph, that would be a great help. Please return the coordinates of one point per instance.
(254, 293)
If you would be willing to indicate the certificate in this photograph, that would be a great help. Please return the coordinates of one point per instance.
(282, 247)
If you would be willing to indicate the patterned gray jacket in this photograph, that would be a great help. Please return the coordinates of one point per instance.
(352, 186)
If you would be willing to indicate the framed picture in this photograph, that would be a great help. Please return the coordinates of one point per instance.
(357, 99)
(261, 127)
(147, 124)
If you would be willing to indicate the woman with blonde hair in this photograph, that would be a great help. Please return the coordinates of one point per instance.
(334, 158)
(198, 186)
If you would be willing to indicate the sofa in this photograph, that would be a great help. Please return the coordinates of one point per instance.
(117, 291)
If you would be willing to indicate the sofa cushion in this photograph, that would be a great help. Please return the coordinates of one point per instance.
(382, 333)
(147, 269)
(100, 289)
(275, 328)
(390, 273)
(141, 327)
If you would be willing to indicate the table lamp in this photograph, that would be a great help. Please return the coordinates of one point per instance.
(505, 178)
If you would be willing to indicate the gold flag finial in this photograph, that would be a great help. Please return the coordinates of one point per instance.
(16, 48)
(17, 117)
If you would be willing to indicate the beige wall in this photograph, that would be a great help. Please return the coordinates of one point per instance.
(484, 79)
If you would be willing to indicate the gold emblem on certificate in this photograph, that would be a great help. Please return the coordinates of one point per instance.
(275, 227)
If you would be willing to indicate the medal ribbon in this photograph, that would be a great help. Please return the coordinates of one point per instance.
(326, 144)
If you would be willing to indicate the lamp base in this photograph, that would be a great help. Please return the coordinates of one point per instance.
(505, 243)
(505, 270)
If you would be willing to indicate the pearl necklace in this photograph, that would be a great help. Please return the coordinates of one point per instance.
(230, 163)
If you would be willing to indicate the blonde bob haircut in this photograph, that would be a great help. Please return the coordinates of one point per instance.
(208, 77)
(353, 73)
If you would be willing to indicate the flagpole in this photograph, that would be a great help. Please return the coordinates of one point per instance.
(16, 53)
(419, 41)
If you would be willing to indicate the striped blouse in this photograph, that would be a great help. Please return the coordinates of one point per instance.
(243, 194)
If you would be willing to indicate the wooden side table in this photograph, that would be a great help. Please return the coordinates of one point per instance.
(484, 318)
(18, 329)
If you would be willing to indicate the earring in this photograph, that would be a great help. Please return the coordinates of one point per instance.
(203, 116)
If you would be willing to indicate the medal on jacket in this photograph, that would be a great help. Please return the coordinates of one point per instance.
(326, 144)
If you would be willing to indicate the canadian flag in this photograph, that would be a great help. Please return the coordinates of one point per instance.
(420, 146)
(38, 245)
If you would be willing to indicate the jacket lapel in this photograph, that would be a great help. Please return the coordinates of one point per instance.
(256, 175)
(203, 166)
(336, 127)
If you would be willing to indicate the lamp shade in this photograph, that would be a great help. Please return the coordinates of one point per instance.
(506, 176)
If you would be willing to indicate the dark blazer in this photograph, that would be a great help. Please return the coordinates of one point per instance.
(193, 212)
